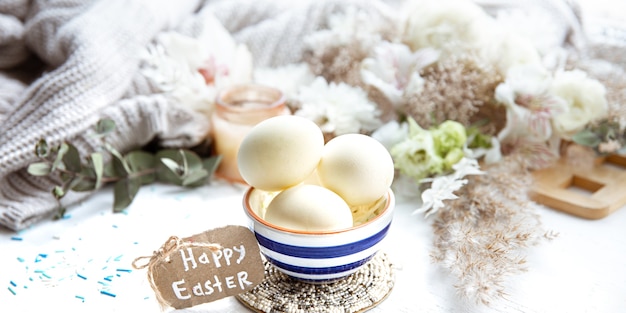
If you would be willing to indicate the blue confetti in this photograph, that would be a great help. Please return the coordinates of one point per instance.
(13, 283)
(106, 293)
(118, 257)
(16, 238)
(12, 291)
(81, 276)
(40, 256)
(20, 259)
(80, 297)
(124, 270)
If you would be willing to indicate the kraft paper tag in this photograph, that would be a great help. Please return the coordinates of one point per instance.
(204, 267)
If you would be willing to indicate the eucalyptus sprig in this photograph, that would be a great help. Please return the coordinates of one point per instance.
(128, 172)
(604, 137)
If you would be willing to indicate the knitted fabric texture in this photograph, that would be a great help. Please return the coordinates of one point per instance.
(65, 64)
(90, 55)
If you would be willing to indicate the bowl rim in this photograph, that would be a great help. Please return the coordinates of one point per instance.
(257, 218)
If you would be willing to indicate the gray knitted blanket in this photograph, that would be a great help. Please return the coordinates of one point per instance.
(65, 64)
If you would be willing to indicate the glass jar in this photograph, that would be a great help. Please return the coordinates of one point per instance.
(237, 109)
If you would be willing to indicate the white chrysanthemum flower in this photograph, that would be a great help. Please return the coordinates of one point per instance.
(446, 24)
(193, 69)
(394, 69)
(288, 78)
(338, 108)
(171, 64)
(585, 98)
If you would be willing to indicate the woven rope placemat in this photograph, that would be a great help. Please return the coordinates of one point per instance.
(358, 292)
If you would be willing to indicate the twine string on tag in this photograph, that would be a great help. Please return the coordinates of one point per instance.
(171, 245)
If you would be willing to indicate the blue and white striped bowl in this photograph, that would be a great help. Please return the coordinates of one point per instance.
(319, 256)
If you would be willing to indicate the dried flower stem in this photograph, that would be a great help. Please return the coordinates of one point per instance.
(481, 237)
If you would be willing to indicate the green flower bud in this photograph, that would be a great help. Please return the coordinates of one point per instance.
(448, 136)
(453, 157)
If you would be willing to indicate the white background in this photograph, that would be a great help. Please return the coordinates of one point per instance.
(582, 270)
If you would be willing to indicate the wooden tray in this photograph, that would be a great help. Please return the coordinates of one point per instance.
(606, 184)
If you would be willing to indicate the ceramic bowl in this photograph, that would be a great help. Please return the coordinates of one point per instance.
(323, 256)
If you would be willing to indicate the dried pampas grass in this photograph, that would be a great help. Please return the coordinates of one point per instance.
(481, 238)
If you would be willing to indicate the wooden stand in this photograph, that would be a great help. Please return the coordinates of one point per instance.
(607, 184)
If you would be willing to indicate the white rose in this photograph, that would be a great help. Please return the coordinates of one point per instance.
(585, 98)
(445, 23)
(507, 50)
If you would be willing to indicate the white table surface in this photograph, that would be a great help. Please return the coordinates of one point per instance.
(64, 265)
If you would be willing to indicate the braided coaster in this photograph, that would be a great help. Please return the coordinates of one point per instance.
(359, 292)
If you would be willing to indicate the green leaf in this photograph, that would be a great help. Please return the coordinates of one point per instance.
(168, 172)
(109, 170)
(171, 166)
(41, 148)
(192, 160)
(143, 165)
(80, 184)
(39, 169)
(58, 192)
(62, 151)
(83, 183)
(179, 167)
(120, 166)
(98, 167)
(124, 192)
(71, 159)
(586, 138)
(105, 126)
(66, 176)
(211, 164)
(176, 168)
(195, 178)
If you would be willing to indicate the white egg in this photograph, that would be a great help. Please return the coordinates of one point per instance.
(356, 167)
(280, 152)
(309, 208)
